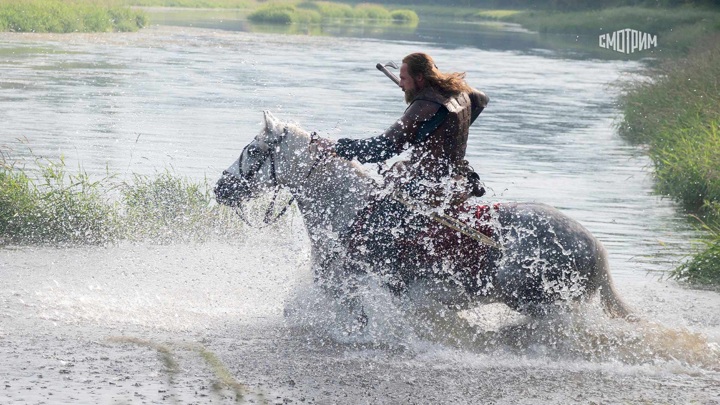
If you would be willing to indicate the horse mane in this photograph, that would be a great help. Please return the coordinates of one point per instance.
(296, 130)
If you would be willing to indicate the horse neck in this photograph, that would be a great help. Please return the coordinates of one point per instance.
(329, 190)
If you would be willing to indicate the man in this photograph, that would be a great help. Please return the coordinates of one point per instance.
(442, 106)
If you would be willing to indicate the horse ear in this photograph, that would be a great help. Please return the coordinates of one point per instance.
(270, 120)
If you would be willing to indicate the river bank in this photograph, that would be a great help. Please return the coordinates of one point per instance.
(674, 112)
(677, 116)
(102, 16)
(72, 16)
(677, 29)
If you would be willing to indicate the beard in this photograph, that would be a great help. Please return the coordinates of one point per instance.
(410, 95)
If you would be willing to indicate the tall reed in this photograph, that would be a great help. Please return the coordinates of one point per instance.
(677, 115)
(52, 205)
(168, 208)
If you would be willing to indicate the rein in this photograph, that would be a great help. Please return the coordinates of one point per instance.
(268, 218)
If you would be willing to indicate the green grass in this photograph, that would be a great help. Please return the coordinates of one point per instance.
(653, 20)
(494, 14)
(678, 29)
(68, 16)
(115, 15)
(238, 4)
(284, 13)
(677, 116)
(404, 17)
(317, 11)
(51, 205)
(369, 11)
(329, 10)
(704, 266)
(54, 207)
(169, 208)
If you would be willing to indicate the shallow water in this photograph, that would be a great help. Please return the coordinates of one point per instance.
(135, 322)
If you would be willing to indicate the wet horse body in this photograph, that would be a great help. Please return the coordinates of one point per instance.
(545, 257)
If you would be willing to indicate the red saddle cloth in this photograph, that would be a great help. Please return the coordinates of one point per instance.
(425, 247)
(452, 249)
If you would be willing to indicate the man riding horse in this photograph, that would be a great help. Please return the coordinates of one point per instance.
(442, 106)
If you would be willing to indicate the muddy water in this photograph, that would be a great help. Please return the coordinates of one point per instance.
(194, 323)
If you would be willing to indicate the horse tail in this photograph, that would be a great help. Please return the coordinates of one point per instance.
(612, 304)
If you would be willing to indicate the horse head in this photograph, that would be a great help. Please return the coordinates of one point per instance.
(254, 171)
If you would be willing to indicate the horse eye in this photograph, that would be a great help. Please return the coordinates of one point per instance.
(253, 151)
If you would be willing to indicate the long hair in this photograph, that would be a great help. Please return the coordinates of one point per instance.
(447, 84)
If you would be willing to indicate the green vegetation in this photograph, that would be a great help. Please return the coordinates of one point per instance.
(52, 206)
(116, 15)
(677, 115)
(372, 12)
(703, 267)
(192, 3)
(56, 208)
(316, 11)
(678, 29)
(495, 14)
(330, 10)
(67, 16)
(277, 13)
(653, 20)
(404, 17)
(170, 208)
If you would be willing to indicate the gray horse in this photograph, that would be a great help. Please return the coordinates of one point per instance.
(538, 259)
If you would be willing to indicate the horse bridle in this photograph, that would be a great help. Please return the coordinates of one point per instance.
(268, 218)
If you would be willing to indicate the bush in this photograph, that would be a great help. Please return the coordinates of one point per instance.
(193, 3)
(279, 13)
(330, 10)
(315, 12)
(404, 16)
(371, 12)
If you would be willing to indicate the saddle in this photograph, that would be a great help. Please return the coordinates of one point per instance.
(413, 244)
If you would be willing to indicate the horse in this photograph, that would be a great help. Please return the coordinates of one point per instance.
(533, 257)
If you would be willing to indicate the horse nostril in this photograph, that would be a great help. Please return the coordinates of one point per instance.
(222, 190)
(229, 190)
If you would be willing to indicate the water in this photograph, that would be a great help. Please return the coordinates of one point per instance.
(143, 322)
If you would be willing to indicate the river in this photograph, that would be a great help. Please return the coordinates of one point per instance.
(201, 322)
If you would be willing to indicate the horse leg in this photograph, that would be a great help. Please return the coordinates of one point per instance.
(533, 283)
(522, 290)
(377, 242)
(609, 298)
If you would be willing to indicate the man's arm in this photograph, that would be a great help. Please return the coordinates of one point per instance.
(393, 141)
